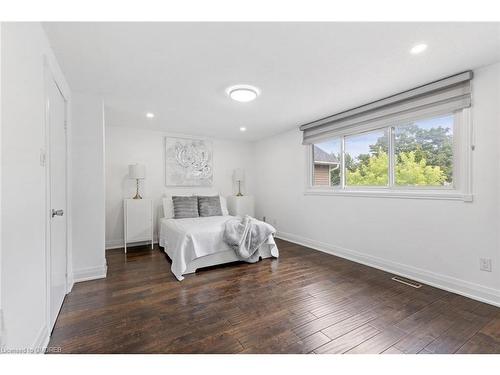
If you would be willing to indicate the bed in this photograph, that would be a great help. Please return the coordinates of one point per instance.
(198, 242)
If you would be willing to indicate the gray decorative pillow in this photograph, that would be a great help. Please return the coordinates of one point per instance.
(185, 207)
(209, 206)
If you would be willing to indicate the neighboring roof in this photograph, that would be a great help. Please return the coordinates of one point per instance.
(323, 157)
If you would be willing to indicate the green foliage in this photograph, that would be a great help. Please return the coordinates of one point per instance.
(409, 171)
(373, 171)
(424, 157)
(335, 176)
(434, 145)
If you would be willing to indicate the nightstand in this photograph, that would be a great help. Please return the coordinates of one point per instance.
(241, 206)
(137, 221)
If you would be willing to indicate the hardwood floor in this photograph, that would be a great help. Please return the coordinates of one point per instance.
(304, 302)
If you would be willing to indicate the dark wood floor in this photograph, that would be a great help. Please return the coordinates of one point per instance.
(304, 302)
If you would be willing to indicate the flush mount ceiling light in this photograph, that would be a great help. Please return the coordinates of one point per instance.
(243, 129)
(418, 48)
(243, 93)
(150, 115)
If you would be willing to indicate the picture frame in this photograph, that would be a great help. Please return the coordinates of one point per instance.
(188, 162)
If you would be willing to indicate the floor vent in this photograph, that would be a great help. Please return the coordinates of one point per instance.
(408, 282)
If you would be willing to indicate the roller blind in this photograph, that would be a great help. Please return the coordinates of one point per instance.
(446, 95)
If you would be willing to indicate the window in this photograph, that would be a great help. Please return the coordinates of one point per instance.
(401, 158)
(366, 159)
(326, 165)
(424, 152)
(416, 143)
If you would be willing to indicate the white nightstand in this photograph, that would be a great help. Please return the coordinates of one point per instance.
(137, 221)
(240, 206)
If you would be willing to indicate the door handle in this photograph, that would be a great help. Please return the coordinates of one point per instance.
(57, 212)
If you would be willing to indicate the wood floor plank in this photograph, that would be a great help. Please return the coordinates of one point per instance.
(451, 340)
(480, 344)
(423, 335)
(492, 329)
(308, 344)
(348, 341)
(341, 328)
(305, 301)
(392, 350)
(272, 344)
(378, 343)
(321, 323)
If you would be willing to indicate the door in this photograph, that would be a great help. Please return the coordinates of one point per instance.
(57, 198)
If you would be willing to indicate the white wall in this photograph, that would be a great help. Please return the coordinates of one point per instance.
(88, 187)
(125, 146)
(439, 242)
(24, 46)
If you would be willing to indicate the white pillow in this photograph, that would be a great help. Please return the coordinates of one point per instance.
(223, 205)
(168, 207)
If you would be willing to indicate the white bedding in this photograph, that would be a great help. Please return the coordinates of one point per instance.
(185, 240)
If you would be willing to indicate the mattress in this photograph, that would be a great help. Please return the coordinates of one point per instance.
(185, 240)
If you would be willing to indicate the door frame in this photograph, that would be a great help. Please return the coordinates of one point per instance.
(49, 77)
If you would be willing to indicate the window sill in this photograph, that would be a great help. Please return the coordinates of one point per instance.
(394, 193)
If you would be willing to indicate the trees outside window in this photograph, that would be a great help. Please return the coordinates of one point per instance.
(366, 165)
(422, 155)
(424, 152)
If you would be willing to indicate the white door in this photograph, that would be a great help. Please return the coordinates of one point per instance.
(57, 181)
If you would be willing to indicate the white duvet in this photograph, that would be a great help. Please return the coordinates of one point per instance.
(188, 239)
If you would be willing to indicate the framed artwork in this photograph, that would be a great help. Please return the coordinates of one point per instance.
(188, 162)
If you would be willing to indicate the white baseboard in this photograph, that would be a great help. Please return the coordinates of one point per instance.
(71, 283)
(91, 273)
(114, 244)
(42, 340)
(451, 284)
(118, 244)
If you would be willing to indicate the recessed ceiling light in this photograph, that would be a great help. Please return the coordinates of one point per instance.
(150, 115)
(243, 129)
(243, 93)
(418, 48)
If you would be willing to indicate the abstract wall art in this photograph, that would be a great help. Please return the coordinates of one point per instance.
(188, 162)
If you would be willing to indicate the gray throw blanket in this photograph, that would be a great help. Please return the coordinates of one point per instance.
(246, 235)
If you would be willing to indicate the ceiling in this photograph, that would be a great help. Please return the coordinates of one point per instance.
(305, 71)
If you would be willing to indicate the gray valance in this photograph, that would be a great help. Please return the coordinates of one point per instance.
(444, 96)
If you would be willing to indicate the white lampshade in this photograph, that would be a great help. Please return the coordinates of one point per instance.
(239, 175)
(137, 171)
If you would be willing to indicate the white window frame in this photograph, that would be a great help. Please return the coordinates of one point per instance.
(330, 170)
(461, 188)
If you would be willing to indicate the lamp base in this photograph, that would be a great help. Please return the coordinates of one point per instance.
(137, 195)
(239, 189)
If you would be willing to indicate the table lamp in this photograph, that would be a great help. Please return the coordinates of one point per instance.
(137, 172)
(239, 176)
